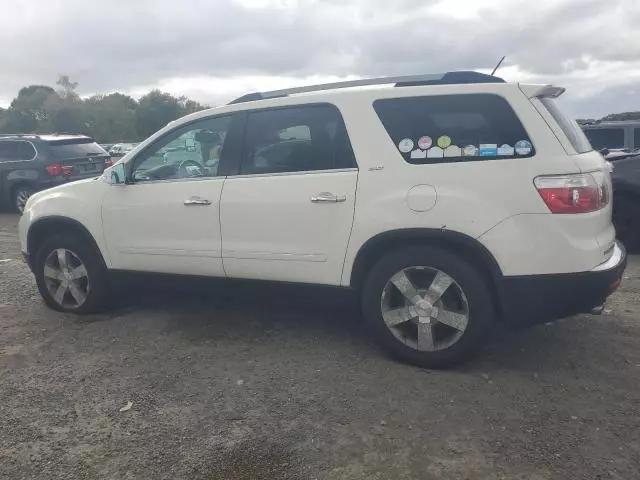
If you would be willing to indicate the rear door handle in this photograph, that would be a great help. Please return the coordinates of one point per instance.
(328, 197)
(197, 201)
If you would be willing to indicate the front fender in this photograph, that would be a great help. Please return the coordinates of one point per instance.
(77, 202)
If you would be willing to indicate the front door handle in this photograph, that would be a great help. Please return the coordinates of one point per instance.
(328, 197)
(203, 202)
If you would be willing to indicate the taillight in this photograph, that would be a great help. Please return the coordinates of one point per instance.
(108, 163)
(580, 193)
(55, 169)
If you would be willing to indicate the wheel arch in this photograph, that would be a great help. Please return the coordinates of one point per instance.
(458, 243)
(44, 227)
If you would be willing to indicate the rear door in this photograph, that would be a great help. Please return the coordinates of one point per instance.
(79, 157)
(287, 214)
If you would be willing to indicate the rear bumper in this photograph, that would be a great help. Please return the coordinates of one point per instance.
(531, 299)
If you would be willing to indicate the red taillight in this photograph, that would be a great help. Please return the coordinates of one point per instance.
(108, 163)
(580, 193)
(55, 169)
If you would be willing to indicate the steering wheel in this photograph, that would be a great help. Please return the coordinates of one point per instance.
(196, 170)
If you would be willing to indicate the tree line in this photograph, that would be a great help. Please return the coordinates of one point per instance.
(106, 118)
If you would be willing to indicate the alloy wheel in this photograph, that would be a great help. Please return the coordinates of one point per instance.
(66, 278)
(424, 308)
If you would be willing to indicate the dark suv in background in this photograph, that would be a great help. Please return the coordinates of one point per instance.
(29, 163)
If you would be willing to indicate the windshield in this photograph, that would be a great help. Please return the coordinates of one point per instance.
(568, 125)
(82, 147)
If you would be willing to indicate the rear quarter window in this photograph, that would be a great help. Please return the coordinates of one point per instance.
(454, 128)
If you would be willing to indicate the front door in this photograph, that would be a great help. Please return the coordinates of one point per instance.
(287, 216)
(167, 218)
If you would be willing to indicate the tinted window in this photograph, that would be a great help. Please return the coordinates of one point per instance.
(636, 136)
(75, 148)
(453, 128)
(296, 140)
(605, 137)
(16, 150)
(191, 151)
(569, 126)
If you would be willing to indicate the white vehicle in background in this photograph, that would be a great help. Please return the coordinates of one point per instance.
(452, 203)
(120, 149)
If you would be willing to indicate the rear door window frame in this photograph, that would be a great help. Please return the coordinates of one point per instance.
(238, 142)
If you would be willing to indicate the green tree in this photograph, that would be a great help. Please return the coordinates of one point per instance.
(154, 111)
(106, 118)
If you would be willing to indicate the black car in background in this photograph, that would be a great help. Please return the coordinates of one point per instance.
(626, 201)
(29, 163)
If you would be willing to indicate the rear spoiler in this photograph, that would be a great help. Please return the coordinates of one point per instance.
(548, 91)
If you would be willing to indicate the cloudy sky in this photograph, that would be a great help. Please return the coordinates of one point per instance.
(213, 50)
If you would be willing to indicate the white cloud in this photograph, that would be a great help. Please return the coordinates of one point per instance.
(212, 50)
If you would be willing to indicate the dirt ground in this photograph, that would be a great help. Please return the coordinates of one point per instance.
(241, 381)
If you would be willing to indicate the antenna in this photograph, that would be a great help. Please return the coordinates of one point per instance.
(498, 65)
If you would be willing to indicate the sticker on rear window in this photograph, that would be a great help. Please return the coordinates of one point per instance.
(452, 151)
(470, 151)
(435, 152)
(444, 141)
(425, 142)
(523, 147)
(405, 145)
(418, 153)
(506, 150)
(488, 149)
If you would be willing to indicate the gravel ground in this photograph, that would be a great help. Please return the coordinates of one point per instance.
(240, 381)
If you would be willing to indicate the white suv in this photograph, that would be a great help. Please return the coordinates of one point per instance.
(452, 203)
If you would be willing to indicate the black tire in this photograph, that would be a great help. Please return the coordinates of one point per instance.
(19, 196)
(471, 282)
(626, 219)
(94, 265)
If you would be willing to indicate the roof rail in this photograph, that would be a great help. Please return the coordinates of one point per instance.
(448, 78)
(18, 134)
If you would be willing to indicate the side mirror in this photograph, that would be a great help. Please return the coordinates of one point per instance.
(118, 174)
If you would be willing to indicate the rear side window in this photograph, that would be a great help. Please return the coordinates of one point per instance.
(454, 128)
(569, 126)
(605, 137)
(12, 151)
(636, 136)
(75, 148)
(296, 139)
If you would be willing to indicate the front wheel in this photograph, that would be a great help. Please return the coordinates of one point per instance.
(427, 306)
(70, 274)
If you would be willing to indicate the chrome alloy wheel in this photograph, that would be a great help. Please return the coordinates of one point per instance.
(425, 308)
(66, 278)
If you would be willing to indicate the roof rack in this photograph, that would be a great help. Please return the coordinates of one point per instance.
(449, 78)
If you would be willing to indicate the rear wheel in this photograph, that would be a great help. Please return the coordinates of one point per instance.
(70, 274)
(428, 307)
(20, 196)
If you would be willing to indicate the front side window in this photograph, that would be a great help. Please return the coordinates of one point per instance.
(454, 128)
(191, 151)
(296, 139)
(605, 137)
(13, 151)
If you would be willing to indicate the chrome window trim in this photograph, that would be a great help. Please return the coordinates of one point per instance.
(286, 174)
(21, 140)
